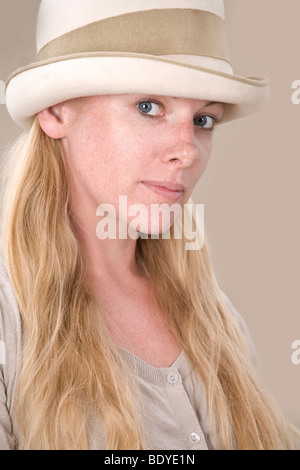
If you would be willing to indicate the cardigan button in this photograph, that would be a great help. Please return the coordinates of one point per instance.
(194, 438)
(172, 378)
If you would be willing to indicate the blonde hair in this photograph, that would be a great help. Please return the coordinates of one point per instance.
(70, 369)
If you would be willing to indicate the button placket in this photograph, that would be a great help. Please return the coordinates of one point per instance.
(184, 411)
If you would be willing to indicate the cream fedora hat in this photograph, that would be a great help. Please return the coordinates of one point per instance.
(159, 47)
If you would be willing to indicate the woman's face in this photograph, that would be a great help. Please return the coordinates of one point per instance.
(149, 149)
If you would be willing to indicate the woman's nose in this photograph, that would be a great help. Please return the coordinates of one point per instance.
(181, 149)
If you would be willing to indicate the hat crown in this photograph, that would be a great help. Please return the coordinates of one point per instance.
(156, 47)
(59, 17)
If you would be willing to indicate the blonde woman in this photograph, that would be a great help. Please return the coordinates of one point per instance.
(122, 342)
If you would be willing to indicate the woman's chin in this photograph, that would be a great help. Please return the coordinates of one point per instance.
(150, 229)
(154, 224)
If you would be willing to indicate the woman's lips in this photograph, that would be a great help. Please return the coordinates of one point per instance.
(168, 190)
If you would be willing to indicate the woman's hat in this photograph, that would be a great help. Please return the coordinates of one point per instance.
(157, 47)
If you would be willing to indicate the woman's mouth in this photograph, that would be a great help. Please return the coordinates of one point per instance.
(167, 190)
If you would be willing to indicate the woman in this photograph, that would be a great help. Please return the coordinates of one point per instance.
(123, 342)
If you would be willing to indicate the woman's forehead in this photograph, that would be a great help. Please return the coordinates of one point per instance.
(146, 96)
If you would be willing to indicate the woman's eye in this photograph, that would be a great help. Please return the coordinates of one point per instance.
(149, 107)
(206, 122)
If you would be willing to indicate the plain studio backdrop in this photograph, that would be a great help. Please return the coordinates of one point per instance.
(251, 187)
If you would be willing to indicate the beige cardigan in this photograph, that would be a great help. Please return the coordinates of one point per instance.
(174, 398)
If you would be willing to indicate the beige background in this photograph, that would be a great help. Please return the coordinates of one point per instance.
(251, 187)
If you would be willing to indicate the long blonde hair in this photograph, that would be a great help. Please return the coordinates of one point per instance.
(69, 368)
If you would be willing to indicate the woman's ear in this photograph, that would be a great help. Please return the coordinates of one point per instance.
(52, 122)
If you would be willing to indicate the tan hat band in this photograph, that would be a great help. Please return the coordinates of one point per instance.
(154, 32)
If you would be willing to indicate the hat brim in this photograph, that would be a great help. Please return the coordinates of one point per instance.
(43, 84)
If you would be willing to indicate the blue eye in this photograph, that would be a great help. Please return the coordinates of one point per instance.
(206, 122)
(149, 107)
